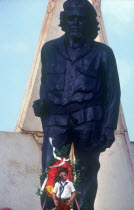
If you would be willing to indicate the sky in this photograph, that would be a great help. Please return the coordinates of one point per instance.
(21, 22)
(20, 25)
(118, 17)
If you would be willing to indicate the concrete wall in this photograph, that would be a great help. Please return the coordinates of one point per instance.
(116, 178)
(20, 166)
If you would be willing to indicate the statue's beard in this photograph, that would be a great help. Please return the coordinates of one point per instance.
(75, 41)
(76, 35)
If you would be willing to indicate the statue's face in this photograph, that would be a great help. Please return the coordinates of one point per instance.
(76, 23)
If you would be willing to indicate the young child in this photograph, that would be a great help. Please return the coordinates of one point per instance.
(64, 191)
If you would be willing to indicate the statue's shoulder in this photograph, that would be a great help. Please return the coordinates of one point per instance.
(49, 45)
(103, 48)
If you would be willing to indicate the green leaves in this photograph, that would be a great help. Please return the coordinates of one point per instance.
(43, 176)
(64, 151)
(41, 193)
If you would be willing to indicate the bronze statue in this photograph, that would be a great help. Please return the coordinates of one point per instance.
(79, 94)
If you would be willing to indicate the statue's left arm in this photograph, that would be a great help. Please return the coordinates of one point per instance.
(112, 100)
(39, 105)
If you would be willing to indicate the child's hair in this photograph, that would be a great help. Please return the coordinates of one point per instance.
(63, 169)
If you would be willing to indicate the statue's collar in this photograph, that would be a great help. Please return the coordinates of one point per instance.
(60, 45)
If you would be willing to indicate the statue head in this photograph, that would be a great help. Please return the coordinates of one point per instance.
(79, 19)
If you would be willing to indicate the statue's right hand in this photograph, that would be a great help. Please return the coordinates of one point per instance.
(39, 108)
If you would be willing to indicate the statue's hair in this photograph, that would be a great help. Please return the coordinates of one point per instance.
(92, 30)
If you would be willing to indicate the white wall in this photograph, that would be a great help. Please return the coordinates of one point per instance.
(20, 166)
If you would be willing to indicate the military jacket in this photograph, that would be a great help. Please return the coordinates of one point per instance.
(89, 82)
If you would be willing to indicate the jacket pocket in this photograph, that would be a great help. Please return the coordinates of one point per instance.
(55, 82)
(86, 115)
(87, 70)
(55, 76)
(55, 68)
(57, 120)
(86, 79)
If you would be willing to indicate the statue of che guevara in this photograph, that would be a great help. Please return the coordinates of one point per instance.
(79, 94)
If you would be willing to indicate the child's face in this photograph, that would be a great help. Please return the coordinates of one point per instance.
(64, 176)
